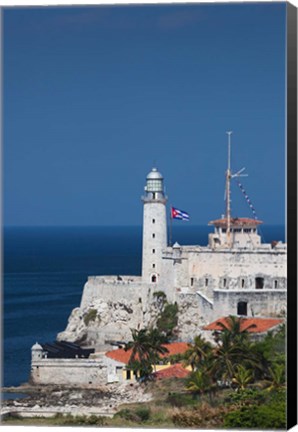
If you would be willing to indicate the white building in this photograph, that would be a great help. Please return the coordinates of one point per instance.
(235, 274)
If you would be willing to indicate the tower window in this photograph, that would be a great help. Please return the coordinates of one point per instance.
(153, 278)
(259, 283)
(275, 284)
(153, 250)
(242, 308)
(206, 282)
(225, 282)
(153, 265)
(153, 221)
(153, 235)
(191, 281)
(242, 283)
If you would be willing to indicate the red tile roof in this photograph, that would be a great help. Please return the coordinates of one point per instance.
(261, 325)
(123, 356)
(174, 371)
(236, 222)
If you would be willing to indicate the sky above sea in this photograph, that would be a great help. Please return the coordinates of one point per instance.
(94, 97)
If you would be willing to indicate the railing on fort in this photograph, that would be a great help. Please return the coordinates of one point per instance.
(115, 280)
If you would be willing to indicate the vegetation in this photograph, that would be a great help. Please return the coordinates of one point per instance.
(90, 316)
(167, 321)
(237, 383)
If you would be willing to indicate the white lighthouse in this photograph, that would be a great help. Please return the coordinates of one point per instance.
(154, 227)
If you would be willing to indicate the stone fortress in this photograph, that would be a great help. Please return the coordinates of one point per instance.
(234, 274)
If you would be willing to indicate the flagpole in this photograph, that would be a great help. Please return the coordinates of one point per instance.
(171, 225)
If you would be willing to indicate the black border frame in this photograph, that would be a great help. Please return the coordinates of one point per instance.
(291, 77)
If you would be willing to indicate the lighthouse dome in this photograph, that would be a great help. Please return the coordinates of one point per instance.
(154, 175)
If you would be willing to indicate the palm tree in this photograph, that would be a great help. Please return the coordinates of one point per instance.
(232, 330)
(277, 376)
(234, 348)
(197, 352)
(199, 382)
(146, 346)
(139, 360)
(156, 346)
(242, 377)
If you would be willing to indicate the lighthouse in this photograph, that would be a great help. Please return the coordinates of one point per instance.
(154, 227)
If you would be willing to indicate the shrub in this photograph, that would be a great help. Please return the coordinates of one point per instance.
(90, 316)
(181, 399)
(143, 413)
(80, 420)
(202, 416)
(271, 416)
(127, 414)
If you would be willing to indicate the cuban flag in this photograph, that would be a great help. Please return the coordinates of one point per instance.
(179, 214)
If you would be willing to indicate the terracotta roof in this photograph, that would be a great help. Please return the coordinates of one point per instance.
(174, 371)
(123, 356)
(236, 222)
(261, 325)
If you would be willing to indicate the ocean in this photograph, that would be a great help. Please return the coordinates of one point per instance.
(44, 271)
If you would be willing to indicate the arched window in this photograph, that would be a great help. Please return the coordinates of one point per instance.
(242, 308)
(153, 278)
(259, 283)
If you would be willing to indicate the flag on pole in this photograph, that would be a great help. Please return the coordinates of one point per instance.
(179, 214)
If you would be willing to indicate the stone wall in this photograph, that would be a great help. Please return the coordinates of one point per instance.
(69, 372)
(263, 303)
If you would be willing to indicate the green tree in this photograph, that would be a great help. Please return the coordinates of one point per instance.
(146, 347)
(167, 320)
(199, 382)
(242, 377)
(277, 376)
(197, 352)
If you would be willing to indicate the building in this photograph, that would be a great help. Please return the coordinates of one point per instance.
(234, 274)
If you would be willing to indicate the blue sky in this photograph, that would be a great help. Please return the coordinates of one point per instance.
(96, 96)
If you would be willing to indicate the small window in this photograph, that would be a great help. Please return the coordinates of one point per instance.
(259, 283)
(224, 230)
(206, 282)
(191, 281)
(153, 250)
(140, 300)
(242, 308)
(128, 374)
(153, 278)
(153, 265)
(153, 221)
(153, 235)
(275, 284)
(225, 282)
(247, 230)
(242, 283)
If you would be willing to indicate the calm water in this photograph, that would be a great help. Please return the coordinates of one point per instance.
(45, 270)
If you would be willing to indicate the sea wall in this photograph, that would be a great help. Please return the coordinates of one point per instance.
(91, 372)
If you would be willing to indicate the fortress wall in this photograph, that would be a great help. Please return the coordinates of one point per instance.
(109, 289)
(205, 270)
(69, 371)
(259, 303)
(194, 311)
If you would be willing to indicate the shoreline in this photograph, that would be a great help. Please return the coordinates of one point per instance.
(50, 400)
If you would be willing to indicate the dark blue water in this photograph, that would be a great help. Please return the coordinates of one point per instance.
(45, 270)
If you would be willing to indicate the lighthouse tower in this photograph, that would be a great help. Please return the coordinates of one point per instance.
(154, 227)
